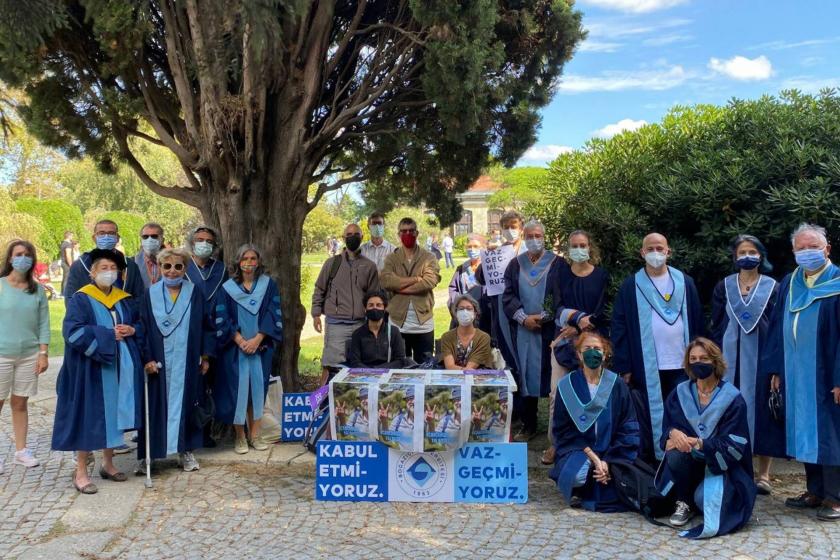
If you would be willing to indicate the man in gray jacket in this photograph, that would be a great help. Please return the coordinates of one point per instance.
(339, 293)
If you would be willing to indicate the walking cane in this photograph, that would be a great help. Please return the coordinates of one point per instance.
(148, 482)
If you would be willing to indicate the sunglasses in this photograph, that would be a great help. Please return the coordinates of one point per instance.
(169, 266)
(150, 235)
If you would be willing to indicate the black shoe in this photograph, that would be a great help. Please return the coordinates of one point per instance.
(828, 513)
(576, 502)
(806, 500)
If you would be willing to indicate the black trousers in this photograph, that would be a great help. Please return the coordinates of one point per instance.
(420, 347)
(526, 409)
(669, 379)
(823, 481)
(687, 472)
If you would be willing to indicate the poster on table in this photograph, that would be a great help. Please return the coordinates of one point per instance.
(399, 415)
(494, 263)
(446, 404)
(491, 399)
(352, 415)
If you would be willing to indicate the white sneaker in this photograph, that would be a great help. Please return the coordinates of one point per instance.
(24, 457)
(188, 461)
(682, 515)
(240, 446)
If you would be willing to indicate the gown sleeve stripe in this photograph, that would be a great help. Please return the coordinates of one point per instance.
(76, 335)
(721, 461)
(738, 439)
(734, 452)
(92, 348)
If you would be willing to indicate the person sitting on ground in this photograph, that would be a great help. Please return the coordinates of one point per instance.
(466, 347)
(706, 439)
(594, 426)
(178, 341)
(377, 343)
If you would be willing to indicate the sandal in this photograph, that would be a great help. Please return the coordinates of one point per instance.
(89, 488)
(116, 477)
(548, 456)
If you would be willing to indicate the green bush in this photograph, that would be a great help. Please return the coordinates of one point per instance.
(460, 244)
(129, 225)
(700, 177)
(55, 217)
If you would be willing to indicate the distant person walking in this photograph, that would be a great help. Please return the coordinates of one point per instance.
(66, 256)
(448, 245)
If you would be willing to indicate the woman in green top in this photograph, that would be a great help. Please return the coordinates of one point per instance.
(466, 347)
(24, 339)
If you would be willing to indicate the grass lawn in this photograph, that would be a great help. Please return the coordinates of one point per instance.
(56, 320)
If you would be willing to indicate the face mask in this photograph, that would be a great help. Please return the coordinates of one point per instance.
(510, 235)
(408, 240)
(172, 282)
(593, 358)
(465, 317)
(579, 254)
(150, 245)
(353, 241)
(22, 263)
(473, 253)
(534, 246)
(377, 230)
(202, 249)
(375, 314)
(248, 267)
(810, 259)
(702, 370)
(748, 262)
(106, 242)
(656, 259)
(106, 278)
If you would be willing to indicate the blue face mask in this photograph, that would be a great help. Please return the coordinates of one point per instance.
(534, 246)
(473, 253)
(150, 245)
(810, 259)
(203, 249)
(377, 230)
(748, 262)
(172, 282)
(22, 263)
(106, 242)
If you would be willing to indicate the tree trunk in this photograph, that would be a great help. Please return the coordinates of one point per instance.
(274, 224)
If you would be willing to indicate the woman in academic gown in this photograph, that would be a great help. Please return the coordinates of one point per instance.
(706, 439)
(741, 308)
(248, 325)
(97, 388)
(594, 425)
(175, 355)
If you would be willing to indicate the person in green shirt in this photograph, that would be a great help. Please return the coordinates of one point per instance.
(24, 339)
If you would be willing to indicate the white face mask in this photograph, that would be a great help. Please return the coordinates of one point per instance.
(465, 317)
(106, 278)
(579, 254)
(510, 235)
(656, 259)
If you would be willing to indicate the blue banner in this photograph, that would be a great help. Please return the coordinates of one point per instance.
(369, 471)
(351, 471)
(492, 473)
(296, 416)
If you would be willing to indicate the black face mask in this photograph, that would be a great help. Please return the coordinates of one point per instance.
(375, 314)
(353, 242)
(702, 370)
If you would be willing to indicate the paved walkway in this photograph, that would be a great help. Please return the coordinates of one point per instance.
(261, 506)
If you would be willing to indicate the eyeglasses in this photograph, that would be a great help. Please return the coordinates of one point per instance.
(169, 266)
(101, 233)
(151, 235)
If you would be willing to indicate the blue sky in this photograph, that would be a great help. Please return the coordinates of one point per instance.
(644, 56)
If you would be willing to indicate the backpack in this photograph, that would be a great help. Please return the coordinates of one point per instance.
(318, 426)
(634, 484)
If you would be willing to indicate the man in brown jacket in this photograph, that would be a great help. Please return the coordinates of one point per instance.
(411, 274)
(339, 293)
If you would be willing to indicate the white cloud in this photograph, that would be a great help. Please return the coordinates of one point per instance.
(656, 80)
(742, 68)
(635, 6)
(783, 45)
(617, 128)
(545, 153)
(598, 46)
(663, 40)
(612, 29)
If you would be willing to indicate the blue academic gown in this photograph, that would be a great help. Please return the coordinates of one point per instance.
(740, 326)
(587, 294)
(606, 424)
(808, 364)
(177, 335)
(243, 379)
(727, 493)
(99, 386)
(531, 351)
(129, 281)
(632, 351)
(208, 278)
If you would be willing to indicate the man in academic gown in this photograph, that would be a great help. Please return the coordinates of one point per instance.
(805, 361)
(105, 236)
(657, 311)
(151, 242)
(204, 270)
(530, 302)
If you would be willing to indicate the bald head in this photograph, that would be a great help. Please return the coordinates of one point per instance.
(655, 251)
(352, 229)
(655, 240)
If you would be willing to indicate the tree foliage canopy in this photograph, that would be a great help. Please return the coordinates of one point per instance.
(700, 177)
(56, 217)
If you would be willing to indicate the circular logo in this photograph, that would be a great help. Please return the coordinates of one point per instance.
(421, 475)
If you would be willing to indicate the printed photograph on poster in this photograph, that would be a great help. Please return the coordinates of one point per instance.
(490, 378)
(443, 417)
(396, 418)
(490, 410)
(417, 376)
(444, 376)
(350, 411)
(365, 375)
